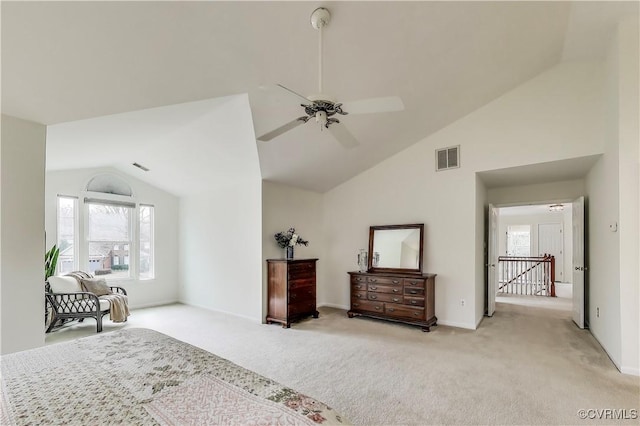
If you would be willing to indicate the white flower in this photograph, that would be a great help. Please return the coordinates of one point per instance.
(293, 240)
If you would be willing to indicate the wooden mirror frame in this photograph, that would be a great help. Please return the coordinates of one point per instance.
(372, 229)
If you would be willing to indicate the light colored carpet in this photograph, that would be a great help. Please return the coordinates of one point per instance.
(525, 365)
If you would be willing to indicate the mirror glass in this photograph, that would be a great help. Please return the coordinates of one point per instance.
(396, 247)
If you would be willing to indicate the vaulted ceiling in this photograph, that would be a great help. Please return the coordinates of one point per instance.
(68, 61)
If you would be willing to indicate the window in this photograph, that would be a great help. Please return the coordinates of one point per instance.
(109, 229)
(146, 267)
(519, 240)
(67, 225)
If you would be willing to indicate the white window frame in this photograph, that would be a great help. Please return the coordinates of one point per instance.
(133, 273)
(152, 251)
(76, 230)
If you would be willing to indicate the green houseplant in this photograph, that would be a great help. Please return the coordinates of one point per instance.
(50, 261)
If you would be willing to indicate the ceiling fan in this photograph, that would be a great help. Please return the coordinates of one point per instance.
(324, 107)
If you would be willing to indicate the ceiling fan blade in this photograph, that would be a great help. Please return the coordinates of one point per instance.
(366, 106)
(343, 135)
(295, 93)
(283, 129)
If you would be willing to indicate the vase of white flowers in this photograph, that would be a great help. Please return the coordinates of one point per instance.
(288, 240)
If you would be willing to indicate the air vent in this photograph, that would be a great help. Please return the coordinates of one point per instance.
(141, 167)
(448, 158)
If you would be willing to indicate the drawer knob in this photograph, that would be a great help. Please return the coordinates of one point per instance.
(395, 290)
(373, 296)
(378, 308)
(374, 288)
(358, 296)
(395, 299)
(395, 282)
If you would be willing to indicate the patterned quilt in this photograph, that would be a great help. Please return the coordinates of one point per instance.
(142, 377)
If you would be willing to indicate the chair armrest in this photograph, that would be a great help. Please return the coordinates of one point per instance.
(118, 290)
(80, 302)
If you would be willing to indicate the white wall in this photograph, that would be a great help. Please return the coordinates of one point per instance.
(537, 193)
(164, 287)
(612, 187)
(629, 181)
(559, 112)
(284, 207)
(22, 158)
(221, 228)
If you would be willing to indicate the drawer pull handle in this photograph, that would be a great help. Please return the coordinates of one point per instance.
(378, 308)
(395, 282)
(373, 296)
(358, 279)
(356, 304)
(359, 296)
(395, 290)
(391, 309)
(413, 292)
(395, 299)
(415, 314)
(293, 295)
(374, 288)
(414, 282)
(413, 302)
(373, 280)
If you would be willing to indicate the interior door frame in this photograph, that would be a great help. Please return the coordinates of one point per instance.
(579, 267)
(492, 259)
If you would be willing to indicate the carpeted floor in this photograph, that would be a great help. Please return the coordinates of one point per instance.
(525, 365)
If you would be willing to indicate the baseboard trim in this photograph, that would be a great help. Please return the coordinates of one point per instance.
(630, 370)
(252, 319)
(456, 324)
(595, 336)
(333, 305)
(154, 304)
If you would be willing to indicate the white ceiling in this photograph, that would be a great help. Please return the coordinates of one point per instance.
(68, 61)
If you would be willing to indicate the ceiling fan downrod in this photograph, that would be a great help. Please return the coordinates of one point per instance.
(319, 19)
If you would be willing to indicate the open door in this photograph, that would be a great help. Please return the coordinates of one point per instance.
(578, 262)
(492, 264)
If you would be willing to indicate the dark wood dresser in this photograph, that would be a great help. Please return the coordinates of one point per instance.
(406, 298)
(291, 290)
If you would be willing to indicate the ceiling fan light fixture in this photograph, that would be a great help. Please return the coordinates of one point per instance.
(321, 117)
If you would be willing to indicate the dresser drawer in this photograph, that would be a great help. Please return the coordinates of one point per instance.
(384, 280)
(302, 294)
(384, 289)
(303, 307)
(385, 297)
(404, 311)
(414, 301)
(304, 282)
(301, 270)
(414, 282)
(356, 279)
(358, 287)
(367, 305)
(409, 291)
(362, 295)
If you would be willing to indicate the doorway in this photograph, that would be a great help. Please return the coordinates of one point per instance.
(529, 232)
